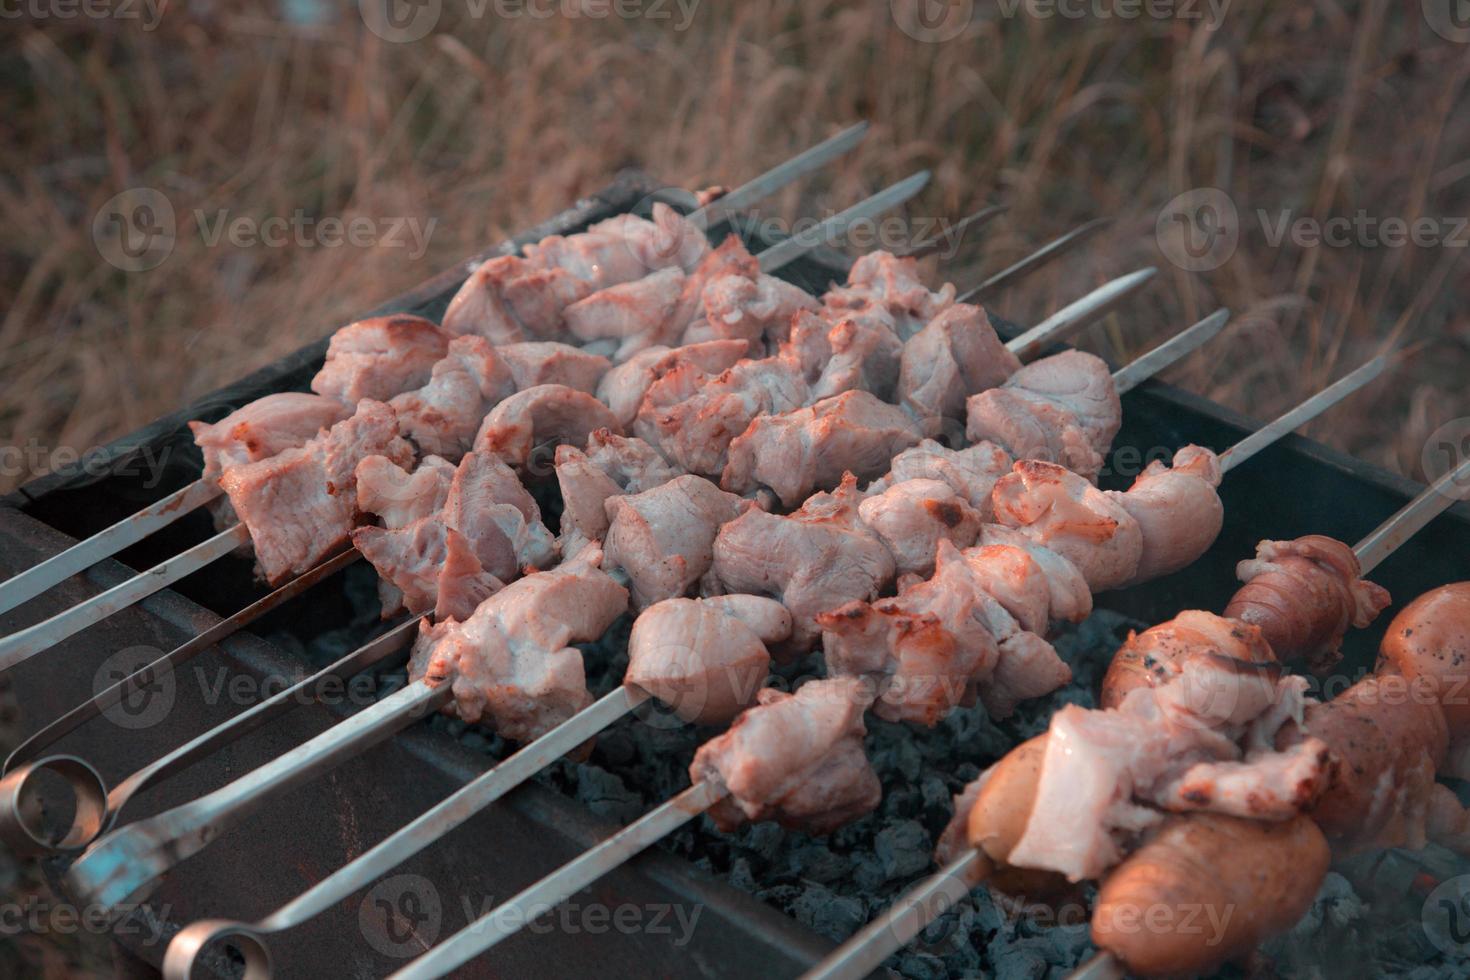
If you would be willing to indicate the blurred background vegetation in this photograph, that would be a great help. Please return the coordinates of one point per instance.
(502, 114)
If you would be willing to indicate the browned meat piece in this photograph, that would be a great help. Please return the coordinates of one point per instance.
(757, 310)
(263, 428)
(800, 452)
(611, 465)
(1070, 599)
(623, 388)
(1177, 509)
(1429, 643)
(813, 560)
(512, 664)
(301, 504)
(955, 356)
(399, 497)
(692, 417)
(663, 539)
(1059, 509)
(538, 420)
(631, 316)
(1080, 384)
(1304, 594)
(1031, 429)
(883, 281)
(380, 358)
(971, 473)
(913, 516)
(547, 363)
(442, 417)
(846, 353)
(705, 659)
(954, 841)
(794, 758)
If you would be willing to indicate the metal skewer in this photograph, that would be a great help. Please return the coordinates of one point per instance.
(1052, 250)
(1413, 517)
(779, 176)
(1301, 415)
(785, 252)
(954, 233)
(1073, 317)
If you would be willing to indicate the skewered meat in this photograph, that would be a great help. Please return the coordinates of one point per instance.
(1080, 384)
(883, 281)
(442, 417)
(755, 309)
(856, 351)
(507, 300)
(1429, 643)
(794, 758)
(705, 658)
(490, 507)
(399, 497)
(913, 516)
(623, 387)
(663, 538)
(263, 428)
(632, 316)
(380, 358)
(812, 560)
(1177, 509)
(1057, 508)
(1070, 600)
(511, 663)
(611, 465)
(543, 416)
(955, 356)
(1304, 594)
(799, 452)
(301, 504)
(971, 473)
(548, 363)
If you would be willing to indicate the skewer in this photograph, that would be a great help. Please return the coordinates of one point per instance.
(1052, 250)
(130, 530)
(1099, 302)
(954, 233)
(28, 642)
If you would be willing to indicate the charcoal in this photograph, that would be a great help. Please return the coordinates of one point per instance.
(827, 914)
(606, 796)
(815, 862)
(904, 849)
(922, 966)
(1020, 963)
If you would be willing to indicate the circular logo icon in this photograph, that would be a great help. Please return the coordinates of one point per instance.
(144, 702)
(1199, 230)
(1450, 19)
(1446, 452)
(400, 21)
(932, 21)
(1446, 916)
(134, 231)
(401, 916)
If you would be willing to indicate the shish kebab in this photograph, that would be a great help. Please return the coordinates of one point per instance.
(402, 708)
(256, 486)
(704, 659)
(820, 780)
(1299, 599)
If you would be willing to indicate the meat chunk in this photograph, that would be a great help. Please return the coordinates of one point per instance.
(511, 663)
(548, 363)
(755, 309)
(1031, 429)
(705, 659)
(813, 560)
(913, 516)
(442, 417)
(663, 539)
(861, 350)
(1079, 383)
(508, 300)
(799, 452)
(971, 473)
(1304, 594)
(490, 507)
(263, 428)
(881, 280)
(539, 419)
(1177, 509)
(380, 358)
(301, 504)
(399, 497)
(632, 316)
(611, 465)
(624, 387)
(794, 758)
(1059, 509)
(955, 356)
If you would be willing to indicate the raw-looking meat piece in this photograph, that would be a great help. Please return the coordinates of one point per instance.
(955, 356)
(1081, 384)
(507, 300)
(623, 387)
(757, 310)
(399, 497)
(1178, 510)
(1031, 428)
(882, 280)
(538, 420)
(663, 539)
(913, 516)
(489, 506)
(549, 363)
(263, 428)
(611, 465)
(441, 418)
(971, 473)
(842, 354)
(427, 566)
(794, 758)
(633, 316)
(380, 358)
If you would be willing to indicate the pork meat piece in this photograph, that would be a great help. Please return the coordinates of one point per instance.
(511, 664)
(971, 473)
(813, 560)
(380, 358)
(399, 497)
(624, 248)
(622, 388)
(663, 539)
(426, 567)
(955, 356)
(1059, 509)
(263, 428)
(508, 300)
(882, 280)
(548, 363)
(1304, 594)
(489, 506)
(799, 452)
(1082, 385)
(1031, 428)
(705, 659)
(1178, 510)
(757, 310)
(913, 516)
(538, 420)
(301, 504)
(1069, 600)
(611, 465)
(794, 758)
(846, 353)
(442, 417)
(631, 316)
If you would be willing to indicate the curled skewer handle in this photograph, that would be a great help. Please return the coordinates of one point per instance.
(194, 938)
(22, 825)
